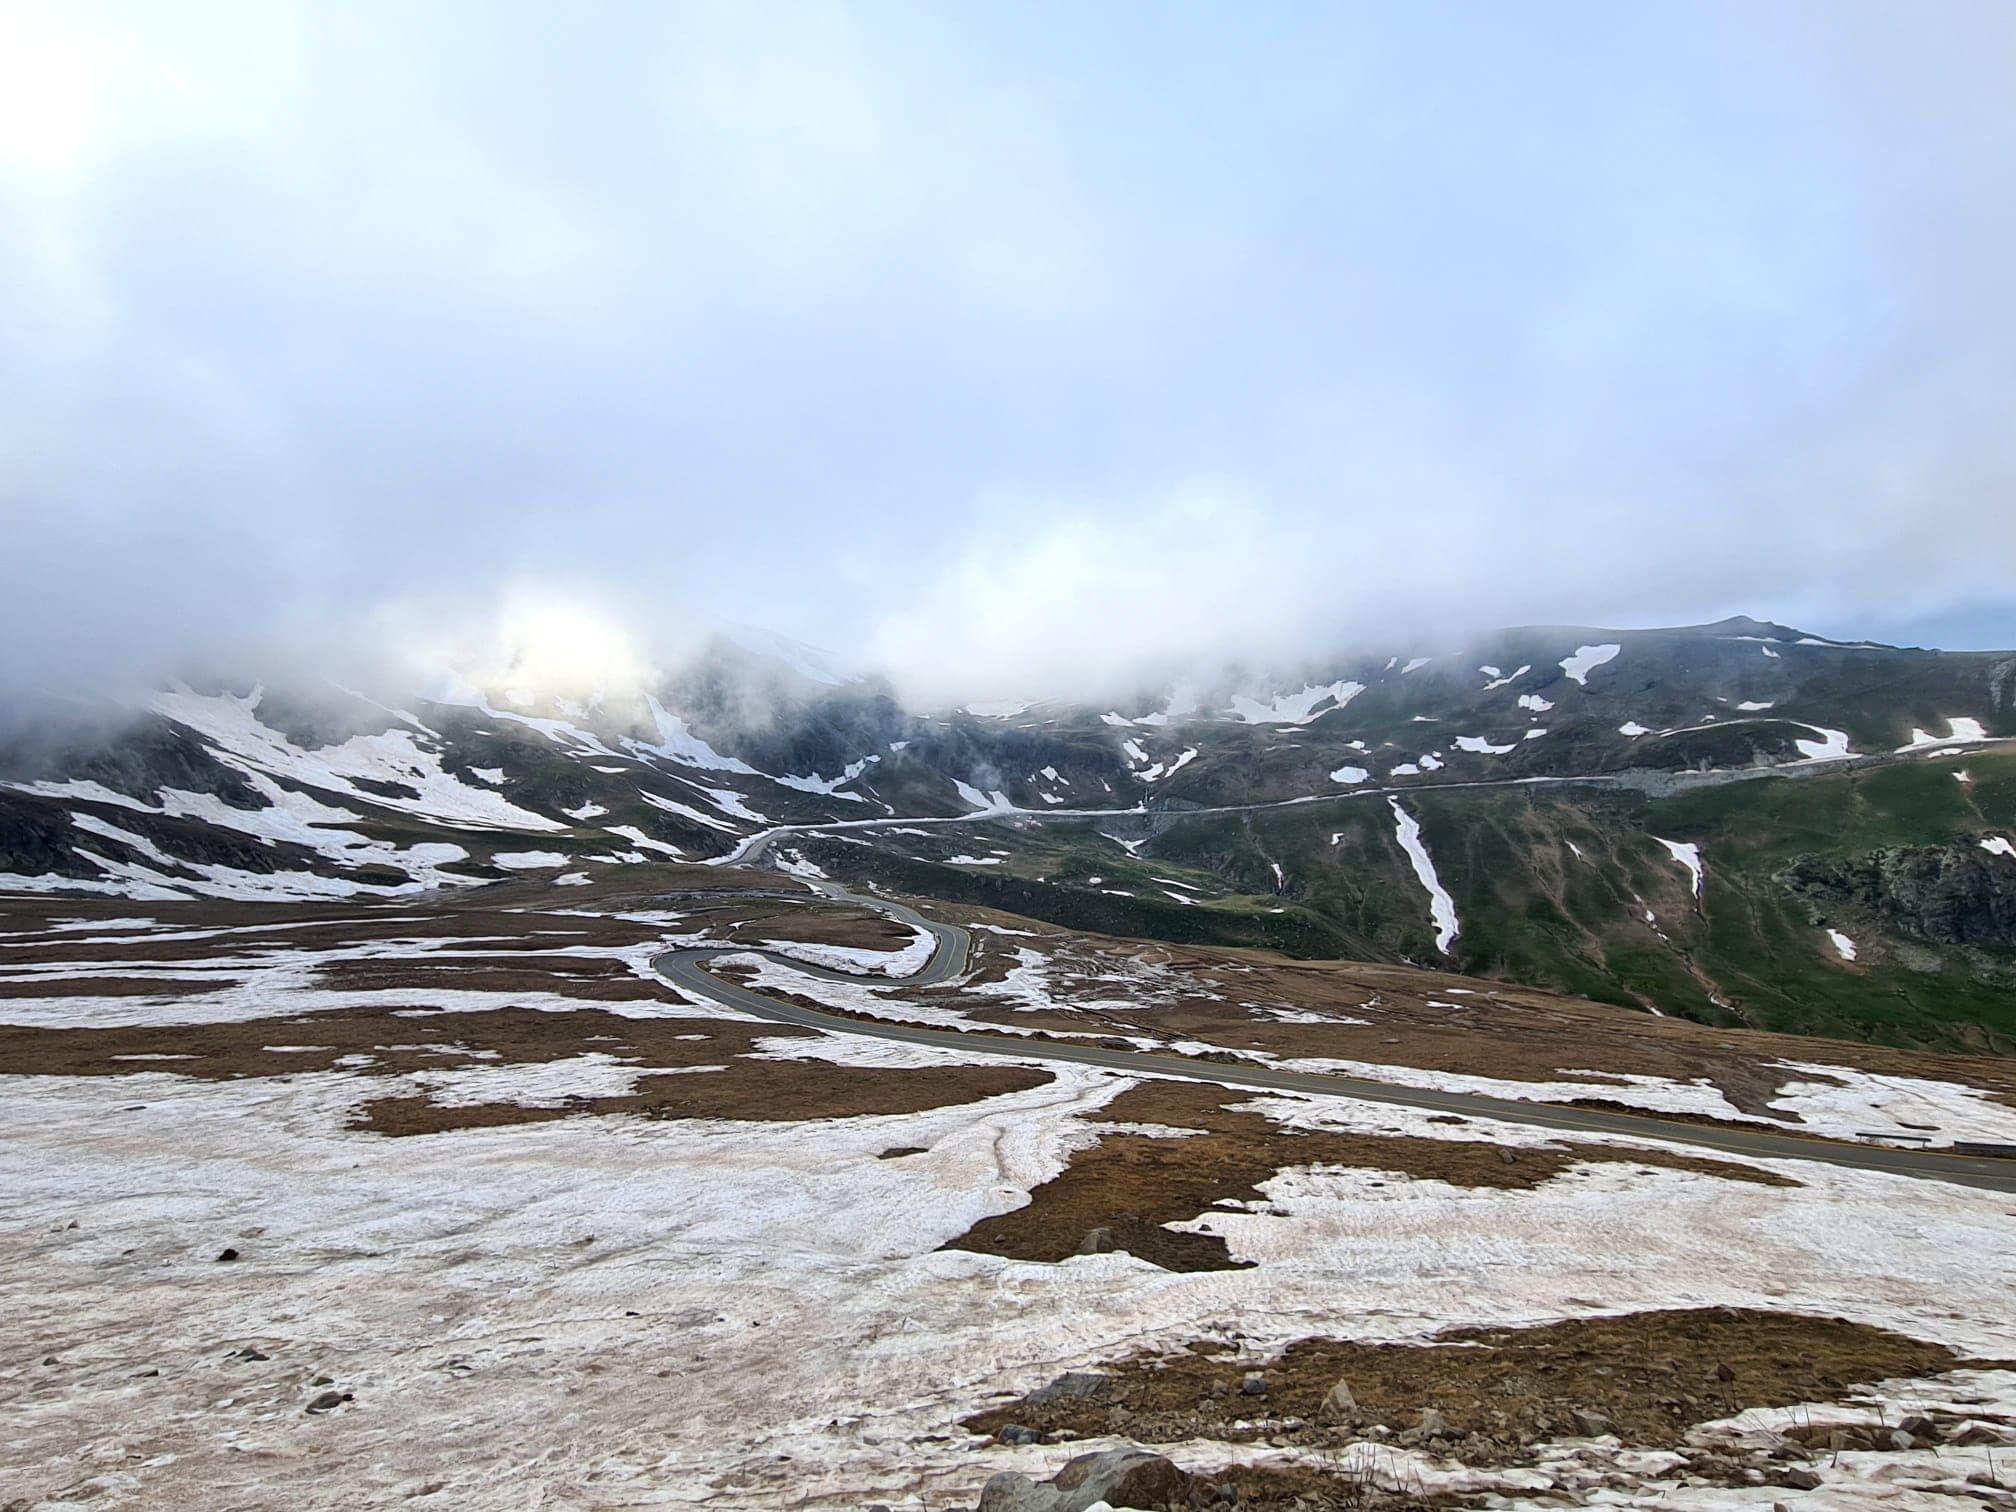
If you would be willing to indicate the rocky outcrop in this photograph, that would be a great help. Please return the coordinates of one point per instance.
(137, 755)
(1117, 1477)
(1953, 894)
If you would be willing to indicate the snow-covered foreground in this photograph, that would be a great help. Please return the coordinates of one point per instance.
(611, 1312)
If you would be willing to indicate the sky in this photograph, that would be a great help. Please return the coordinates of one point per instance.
(1003, 347)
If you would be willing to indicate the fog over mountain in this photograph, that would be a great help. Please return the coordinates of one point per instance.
(1007, 755)
(1009, 350)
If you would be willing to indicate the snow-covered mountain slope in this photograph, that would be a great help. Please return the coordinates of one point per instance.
(270, 791)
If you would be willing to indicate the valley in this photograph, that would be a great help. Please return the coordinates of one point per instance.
(388, 1080)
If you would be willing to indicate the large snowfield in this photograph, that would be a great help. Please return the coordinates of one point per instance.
(618, 1313)
(612, 1312)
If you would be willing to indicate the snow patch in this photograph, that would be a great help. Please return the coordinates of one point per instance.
(1831, 746)
(1587, 659)
(1294, 708)
(1688, 854)
(528, 860)
(1958, 732)
(1441, 907)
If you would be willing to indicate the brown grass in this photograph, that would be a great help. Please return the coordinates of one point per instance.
(1131, 1185)
(746, 1090)
(397, 1041)
(1653, 1374)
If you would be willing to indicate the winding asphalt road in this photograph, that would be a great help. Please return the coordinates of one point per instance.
(687, 970)
(749, 852)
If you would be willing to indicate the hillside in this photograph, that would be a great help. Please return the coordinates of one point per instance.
(1560, 784)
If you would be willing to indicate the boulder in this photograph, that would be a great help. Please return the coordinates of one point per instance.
(1340, 1405)
(1117, 1477)
(1591, 1424)
(1254, 1383)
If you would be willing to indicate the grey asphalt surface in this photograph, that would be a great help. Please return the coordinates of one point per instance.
(686, 969)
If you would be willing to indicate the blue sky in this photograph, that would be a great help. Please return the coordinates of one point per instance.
(1003, 345)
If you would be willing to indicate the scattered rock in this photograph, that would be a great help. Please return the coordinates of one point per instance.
(227, 1254)
(1591, 1424)
(1254, 1384)
(328, 1400)
(1724, 1373)
(1073, 1385)
(1972, 1435)
(1116, 1477)
(1433, 1424)
(1015, 1433)
(1506, 1157)
(1340, 1405)
(1800, 1480)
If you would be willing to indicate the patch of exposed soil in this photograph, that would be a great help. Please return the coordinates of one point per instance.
(113, 986)
(827, 923)
(742, 1089)
(1120, 1193)
(1650, 1375)
(592, 978)
(392, 1040)
(726, 1082)
(254, 930)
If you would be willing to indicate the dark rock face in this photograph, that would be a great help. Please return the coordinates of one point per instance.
(1118, 1478)
(137, 755)
(37, 839)
(1956, 894)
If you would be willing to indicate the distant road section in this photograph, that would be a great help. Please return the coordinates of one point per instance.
(686, 969)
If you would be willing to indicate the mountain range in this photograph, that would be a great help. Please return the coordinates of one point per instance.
(1737, 822)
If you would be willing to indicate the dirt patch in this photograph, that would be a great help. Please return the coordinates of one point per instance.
(1650, 1375)
(1122, 1192)
(764, 1091)
(590, 978)
(379, 1041)
(826, 923)
(253, 931)
(113, 986)
(724, 1081)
